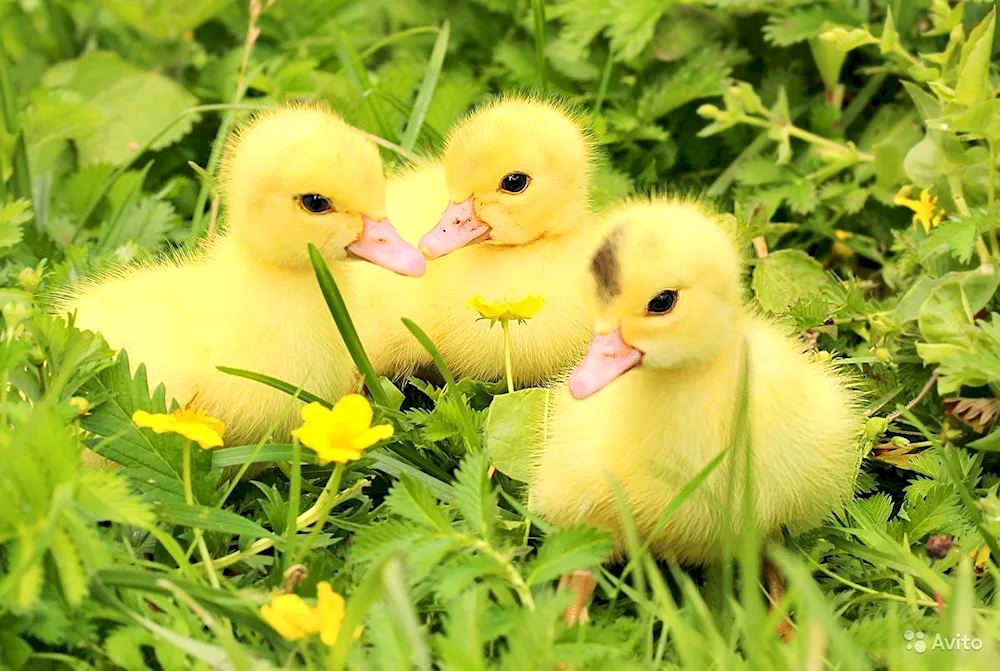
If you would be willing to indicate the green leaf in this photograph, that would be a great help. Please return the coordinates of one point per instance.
(701, 75)
(13, 215)
(476, 498)
(136, 106)
(165, 19)
(414, 501)
(427, 86)
(632, 26)
(954, 302)
(988, 443)
(514, 428)
(848, 39)
(151, 462)
(890, 38)
(69, 567)
(974, 68)
(982, 120)
(571, 549)
(104, 495)
(211, 519)
(783, 278)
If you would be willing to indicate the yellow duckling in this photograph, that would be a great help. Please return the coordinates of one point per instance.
(294, 176)
(653, 400)
(415, 198)
(515, 178)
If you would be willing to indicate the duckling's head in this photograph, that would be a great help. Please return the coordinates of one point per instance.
(300, 175)
(517, 171)
(665, 292)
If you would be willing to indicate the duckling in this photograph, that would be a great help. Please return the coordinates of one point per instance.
(250, 300)
(415, 198)
(653, 400)
(516, 176)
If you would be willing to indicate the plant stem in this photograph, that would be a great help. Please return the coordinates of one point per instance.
(206, 558)
(253, 32)
(811, 138)
(21, 177)
(505, 324)
(521, 587)
(958, 195)
(304, 520)
(324, 504)
(991, 177)
(294, 495)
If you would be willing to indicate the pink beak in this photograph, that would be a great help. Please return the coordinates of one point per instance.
(380, 244)
(607, 358)
(459, 226)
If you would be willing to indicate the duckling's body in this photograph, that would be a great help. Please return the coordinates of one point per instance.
(293, 177)
(654, 400)
(415, 198)
(549, 343)
(492, 241)
(184, 320)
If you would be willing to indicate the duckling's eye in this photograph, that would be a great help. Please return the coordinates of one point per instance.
(662, 303)
(315, 204)
(515, 182)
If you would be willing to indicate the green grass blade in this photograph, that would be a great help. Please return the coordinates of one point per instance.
(538, 8)
(12, 122)
(360, 602)
(435, 355)
(335, 301)
(427, 86)
(245, 454)
(355, 69)
(275, 383)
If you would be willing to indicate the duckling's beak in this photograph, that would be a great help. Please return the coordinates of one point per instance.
(459, 226)
(380, 244)
(607, 358)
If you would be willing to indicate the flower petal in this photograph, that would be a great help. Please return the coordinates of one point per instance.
(290, 616)
(330, 611)
(351, 415)
(143, 419)
(372, 436)
(199, 433)
(313, 435)
(486, 309)
(337, 453)
(527, 307)
(315, 412)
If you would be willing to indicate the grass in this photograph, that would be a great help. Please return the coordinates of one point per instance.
(804, 121)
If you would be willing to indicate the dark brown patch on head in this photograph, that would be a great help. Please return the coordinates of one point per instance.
(605, 267)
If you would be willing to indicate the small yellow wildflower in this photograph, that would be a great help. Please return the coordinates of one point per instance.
(526, 308)
(293, 618)
(343, 433)
(925, 210)
(979, 556)
(192, 424)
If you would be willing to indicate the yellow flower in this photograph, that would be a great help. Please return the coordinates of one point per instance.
(979, 556)
(293, 618)
(340, 434)
(925, 210)
(192, 424)
(526, 308)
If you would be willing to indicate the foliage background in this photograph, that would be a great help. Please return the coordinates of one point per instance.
(805, 118)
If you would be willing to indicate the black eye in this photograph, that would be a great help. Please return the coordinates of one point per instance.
(662, 303)
(315, 203)
(515, 182)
